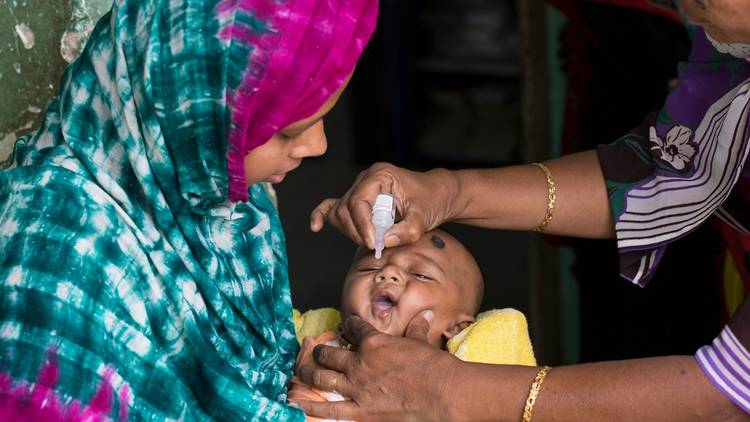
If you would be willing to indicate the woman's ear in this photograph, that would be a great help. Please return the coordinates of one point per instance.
(459, 324)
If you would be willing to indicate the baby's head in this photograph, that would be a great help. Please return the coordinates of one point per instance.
(435, 273)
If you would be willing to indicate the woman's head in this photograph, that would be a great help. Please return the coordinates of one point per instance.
(300, 56)
(187, 91)
(726, 21)
(286, 149)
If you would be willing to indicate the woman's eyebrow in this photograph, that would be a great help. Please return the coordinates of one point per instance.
(301, 125)
(294, 130)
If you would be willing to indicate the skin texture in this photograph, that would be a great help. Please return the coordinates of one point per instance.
(393, 378)
(426, 200)
(284, 152)
(435, 274)
(724, 20)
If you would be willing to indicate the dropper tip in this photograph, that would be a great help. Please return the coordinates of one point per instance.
(379, 246)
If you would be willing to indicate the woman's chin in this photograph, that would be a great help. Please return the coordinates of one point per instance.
(275, 178)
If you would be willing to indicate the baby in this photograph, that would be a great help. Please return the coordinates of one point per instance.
(436, 273)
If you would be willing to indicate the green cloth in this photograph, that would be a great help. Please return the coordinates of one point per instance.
(118, 248)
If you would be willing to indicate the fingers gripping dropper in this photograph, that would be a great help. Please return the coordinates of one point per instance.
(383, 216)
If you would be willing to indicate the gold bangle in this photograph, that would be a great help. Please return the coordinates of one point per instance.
(551, 196)
(533, 393)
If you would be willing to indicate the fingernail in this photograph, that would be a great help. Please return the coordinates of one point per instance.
(428, 315)
(316, 352)
(392, 240)
(293, 404)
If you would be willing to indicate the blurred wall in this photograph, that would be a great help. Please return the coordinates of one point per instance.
(38, 39)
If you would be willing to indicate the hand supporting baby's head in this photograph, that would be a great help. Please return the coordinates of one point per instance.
(436, 273)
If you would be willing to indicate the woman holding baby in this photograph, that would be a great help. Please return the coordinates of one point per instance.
(143, 268)
(648, 189)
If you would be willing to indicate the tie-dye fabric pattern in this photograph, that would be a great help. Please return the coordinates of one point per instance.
(119, 248)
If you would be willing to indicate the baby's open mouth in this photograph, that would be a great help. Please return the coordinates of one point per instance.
(382, 304)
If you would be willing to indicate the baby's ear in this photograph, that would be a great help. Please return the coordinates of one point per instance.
(460, 323)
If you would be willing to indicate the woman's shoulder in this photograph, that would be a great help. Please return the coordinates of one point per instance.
(54, 198)
(55, 221)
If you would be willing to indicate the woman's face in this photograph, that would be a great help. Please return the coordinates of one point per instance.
(726, 21)
(286, 149)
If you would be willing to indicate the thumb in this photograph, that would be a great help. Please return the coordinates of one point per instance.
(408, 230)
(419, 326)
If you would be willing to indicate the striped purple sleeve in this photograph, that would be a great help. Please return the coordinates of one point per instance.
(668, 176)
(726, 361)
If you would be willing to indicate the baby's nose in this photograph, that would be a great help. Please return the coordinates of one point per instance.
(392, 277)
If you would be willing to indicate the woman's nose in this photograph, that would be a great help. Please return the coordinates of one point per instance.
(311, 143)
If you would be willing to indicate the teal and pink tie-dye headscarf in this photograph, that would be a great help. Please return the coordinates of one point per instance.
(140, 277)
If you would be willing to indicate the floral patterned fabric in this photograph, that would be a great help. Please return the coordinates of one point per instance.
(131, 287)
(682, 165)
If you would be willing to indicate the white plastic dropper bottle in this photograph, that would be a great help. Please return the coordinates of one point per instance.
(383, 216)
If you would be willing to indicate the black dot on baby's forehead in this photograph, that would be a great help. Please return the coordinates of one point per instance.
(437, 242)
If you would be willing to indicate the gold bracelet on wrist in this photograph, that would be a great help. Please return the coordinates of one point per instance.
(533, 393)
(551, 196)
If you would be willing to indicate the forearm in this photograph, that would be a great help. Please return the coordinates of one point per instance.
(656, 389)
(515, 198)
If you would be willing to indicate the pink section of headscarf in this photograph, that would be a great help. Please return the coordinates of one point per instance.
(39, 402)
(294, 69)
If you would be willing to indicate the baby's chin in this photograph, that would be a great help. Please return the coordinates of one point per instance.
(390, 327)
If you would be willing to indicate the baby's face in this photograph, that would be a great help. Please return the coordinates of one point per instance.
(435, 273)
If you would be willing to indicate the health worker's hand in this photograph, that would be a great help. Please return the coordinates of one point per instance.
(387, 378)
(423, 201)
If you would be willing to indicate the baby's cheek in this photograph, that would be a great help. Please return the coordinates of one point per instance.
(349, 305)
(414, 303)
(354, 297)
(435, 335)
(346, 302)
